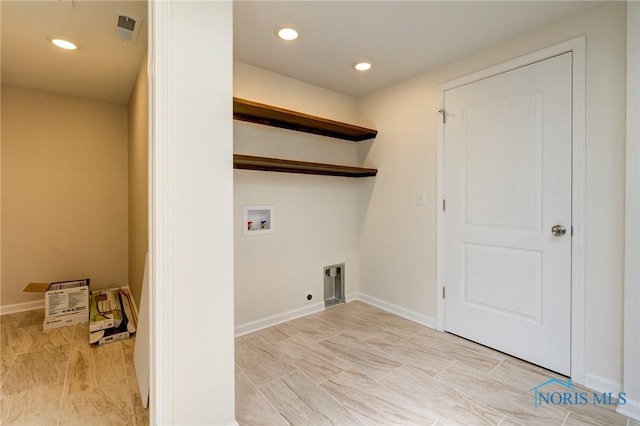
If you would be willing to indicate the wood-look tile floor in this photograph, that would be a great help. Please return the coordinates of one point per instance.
(355, 364)
(56, 378)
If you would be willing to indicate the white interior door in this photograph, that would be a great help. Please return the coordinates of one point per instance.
(507, 188)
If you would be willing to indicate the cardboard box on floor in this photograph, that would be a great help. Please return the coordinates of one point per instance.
(113, 316)
(65, 302)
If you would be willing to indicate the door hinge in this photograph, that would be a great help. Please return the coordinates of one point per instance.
(572, 230)
(443, 292)
(444, 115)
(444, 205)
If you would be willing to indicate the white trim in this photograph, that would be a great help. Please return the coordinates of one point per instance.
(630, 409)
(0, 200)
(250, 327)
(600, 384)
(439, 219)
(631, 351)
(22, 307)
(395, 309)
(161, 397)
(578, 212)
(350, 297)
(191, 229)
(577, 47)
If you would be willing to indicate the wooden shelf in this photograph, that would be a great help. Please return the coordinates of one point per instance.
(268, 115)
(249, 162)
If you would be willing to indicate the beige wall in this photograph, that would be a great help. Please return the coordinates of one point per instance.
(398, 240)
(315, 216)
(138, 180)
(264, 86)
(64, 191)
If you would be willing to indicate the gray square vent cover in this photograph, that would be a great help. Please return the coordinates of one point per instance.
(127, 27)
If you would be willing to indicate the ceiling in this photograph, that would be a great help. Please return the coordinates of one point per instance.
(401, 38)
(104, 67)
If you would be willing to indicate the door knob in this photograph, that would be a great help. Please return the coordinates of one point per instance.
(558, 230)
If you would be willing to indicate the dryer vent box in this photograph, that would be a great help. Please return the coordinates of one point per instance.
(333, 285)
(127, 27)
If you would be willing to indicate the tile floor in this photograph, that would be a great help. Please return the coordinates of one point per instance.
(355, 364)
(57, 378)
(352, 364)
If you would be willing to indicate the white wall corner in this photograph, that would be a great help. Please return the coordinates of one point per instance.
(425, 320)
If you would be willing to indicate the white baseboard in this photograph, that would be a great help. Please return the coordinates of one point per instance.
(272, 320)
(350, 297)
(601, 384)
(394, 309)
(21, 307)
(630, 409)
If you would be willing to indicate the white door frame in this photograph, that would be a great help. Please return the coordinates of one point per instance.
(180, 253)
(577, 47)
(631, 354)
(160, 338)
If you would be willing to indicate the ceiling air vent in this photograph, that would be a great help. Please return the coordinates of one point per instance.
(127, 27)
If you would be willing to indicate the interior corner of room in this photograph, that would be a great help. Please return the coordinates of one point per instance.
(74, 175)
(375, 226)
(74, 190)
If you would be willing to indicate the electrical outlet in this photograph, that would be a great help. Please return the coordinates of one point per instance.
(308, 297)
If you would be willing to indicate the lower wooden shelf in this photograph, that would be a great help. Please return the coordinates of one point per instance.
(249, 162)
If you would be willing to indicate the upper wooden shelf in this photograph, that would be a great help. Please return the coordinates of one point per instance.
(268, 115)
(249, 162)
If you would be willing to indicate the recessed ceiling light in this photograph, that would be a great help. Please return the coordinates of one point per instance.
(64, 44)
(362, 66)
(287, 33)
